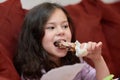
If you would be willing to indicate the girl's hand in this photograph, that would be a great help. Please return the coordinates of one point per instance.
(94, 50)
(94, 53)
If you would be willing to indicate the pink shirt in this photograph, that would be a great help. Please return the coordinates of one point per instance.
(87, 73)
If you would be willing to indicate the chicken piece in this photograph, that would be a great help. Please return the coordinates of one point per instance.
(62, 44)
(75, 47)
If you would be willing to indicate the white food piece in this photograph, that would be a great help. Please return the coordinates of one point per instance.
(80, 52)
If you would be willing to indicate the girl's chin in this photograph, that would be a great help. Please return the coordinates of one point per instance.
(62, 51)
(62, 54)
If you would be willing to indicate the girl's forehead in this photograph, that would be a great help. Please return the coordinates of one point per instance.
(57, 15)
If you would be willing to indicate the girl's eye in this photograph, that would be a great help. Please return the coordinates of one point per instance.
(50, 28)
(65, 26)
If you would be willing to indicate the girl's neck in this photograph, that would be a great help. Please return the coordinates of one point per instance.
(57, 61)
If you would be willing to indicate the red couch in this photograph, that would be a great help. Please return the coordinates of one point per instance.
(94, 21)
(11, 17)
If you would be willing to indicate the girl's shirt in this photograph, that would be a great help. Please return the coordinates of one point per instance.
(87, 73)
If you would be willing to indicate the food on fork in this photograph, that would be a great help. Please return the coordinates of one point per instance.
(80, 52)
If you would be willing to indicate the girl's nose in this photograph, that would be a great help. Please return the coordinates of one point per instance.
(60, 31)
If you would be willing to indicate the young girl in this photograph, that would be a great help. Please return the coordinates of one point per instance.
(43, 26)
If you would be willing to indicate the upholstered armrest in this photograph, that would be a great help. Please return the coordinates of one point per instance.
(7, 70)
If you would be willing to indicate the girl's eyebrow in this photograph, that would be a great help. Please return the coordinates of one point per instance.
(50, 22)
(65, 21)
(54, 22)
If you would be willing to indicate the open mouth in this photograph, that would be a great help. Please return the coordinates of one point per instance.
(64, 44)
(60, 43)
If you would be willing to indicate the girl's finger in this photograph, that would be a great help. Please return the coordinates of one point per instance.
(99, 44)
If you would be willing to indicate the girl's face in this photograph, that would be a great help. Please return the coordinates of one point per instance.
(57, 28)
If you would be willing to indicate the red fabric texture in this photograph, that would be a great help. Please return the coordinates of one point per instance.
(7, 70)
(11, 17)
(94, 21)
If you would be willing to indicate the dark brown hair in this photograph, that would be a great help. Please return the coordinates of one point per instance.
(31, 57)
